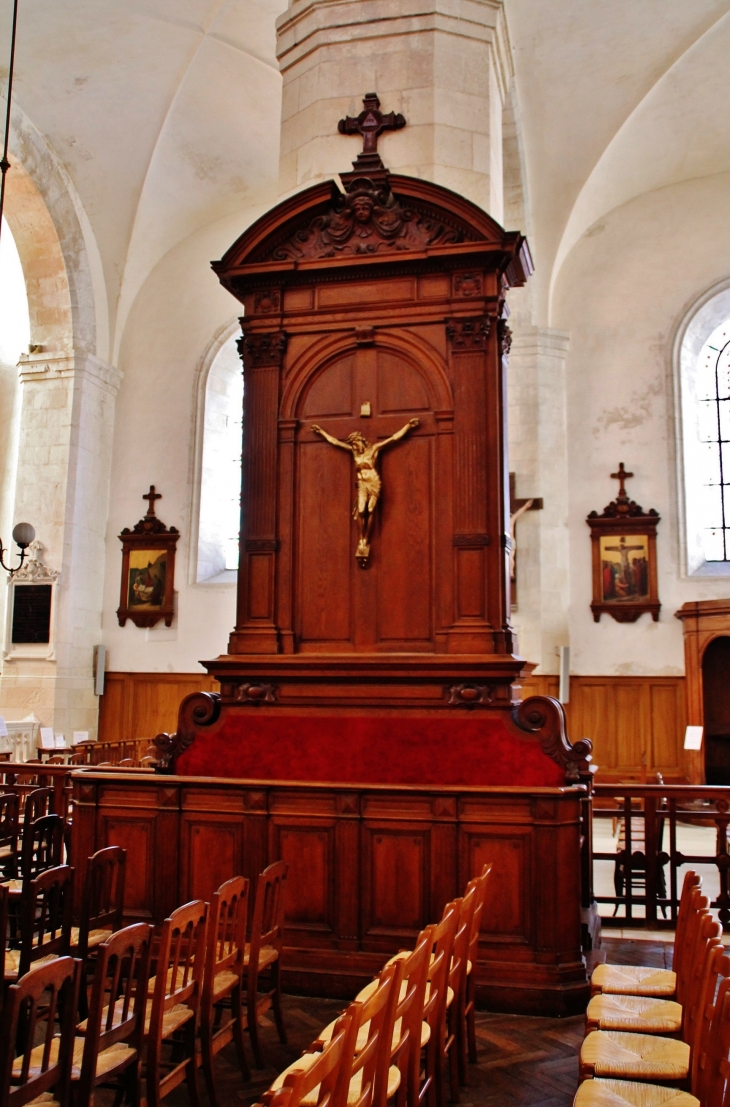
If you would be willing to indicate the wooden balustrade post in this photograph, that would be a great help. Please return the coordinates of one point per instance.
(628, 858)
(722, 860)
(651, 859)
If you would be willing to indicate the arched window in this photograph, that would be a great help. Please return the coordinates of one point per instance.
(704, 380)
(220, 472)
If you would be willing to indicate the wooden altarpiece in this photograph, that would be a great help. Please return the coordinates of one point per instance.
(373, 643)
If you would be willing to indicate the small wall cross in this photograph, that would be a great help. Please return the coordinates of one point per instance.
(151, 496)
(622, 476)
(370, 123)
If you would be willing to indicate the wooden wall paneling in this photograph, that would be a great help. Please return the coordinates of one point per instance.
(353, 903)
(143, 705)
(113, 705)
(668, 722)
(633, 725)
(308, 847)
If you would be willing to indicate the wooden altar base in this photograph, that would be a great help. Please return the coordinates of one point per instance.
(370, 865)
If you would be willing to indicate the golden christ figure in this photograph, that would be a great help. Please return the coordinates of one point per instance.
(367, 478)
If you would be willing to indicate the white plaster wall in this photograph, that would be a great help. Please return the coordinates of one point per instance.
(180, 311)
(622, 293)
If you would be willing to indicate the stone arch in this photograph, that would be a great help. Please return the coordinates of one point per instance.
(58, 252)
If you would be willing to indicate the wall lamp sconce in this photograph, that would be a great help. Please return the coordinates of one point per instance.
(23, 535)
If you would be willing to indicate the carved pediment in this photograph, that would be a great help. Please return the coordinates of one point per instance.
(369, 219)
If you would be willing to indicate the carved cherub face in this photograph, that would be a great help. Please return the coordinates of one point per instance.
(362, 208)
(356, 439)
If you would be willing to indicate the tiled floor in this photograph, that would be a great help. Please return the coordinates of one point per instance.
(523, 1062)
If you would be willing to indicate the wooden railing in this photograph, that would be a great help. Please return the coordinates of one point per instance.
(648, 860)
(114, 752)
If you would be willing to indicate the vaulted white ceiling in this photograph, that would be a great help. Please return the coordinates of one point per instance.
(166, 113)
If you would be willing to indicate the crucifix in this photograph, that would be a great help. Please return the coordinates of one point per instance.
(517, 508)
(622, 476)
(151, 496)
(367, 479)
(370, 123)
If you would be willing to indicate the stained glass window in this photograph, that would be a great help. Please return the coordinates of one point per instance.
(712, 391)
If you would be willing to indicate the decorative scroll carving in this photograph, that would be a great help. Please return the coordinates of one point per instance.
(470, 695)
(368, 219)
(33, 570)
(199, 709)
(504, 334)
(466, 335)
(262, 349)
(267, 301)
(545, 717)
(254, 692)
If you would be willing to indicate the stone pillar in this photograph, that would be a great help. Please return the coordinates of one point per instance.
(446, 65)
(62, 488)
(538, 455)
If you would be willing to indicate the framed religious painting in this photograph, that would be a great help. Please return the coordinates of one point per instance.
(623, 540)
(148, 569)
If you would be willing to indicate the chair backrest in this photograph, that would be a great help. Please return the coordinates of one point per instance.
(127, 763)
(710, 1083)
(706, 1028)
(118, 1001)
(480, 884)
(42, 846)
(53, 986)
(227, 918)
(691, 881)
(701, 992)
(409, 1013)
(9, 822)
(373, 1059)
(180, 963)
(268, 914)
(692, 934)
(46, 914)
(41, 801)
(102, 903)
(460, 953)
(444, 933)
(329, 1073)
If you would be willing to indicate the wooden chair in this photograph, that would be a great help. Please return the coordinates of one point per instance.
(223, 978)
(470, 1007)
(653, 1014)
(113, 1035)
(42, 849)
(175, 1004)
(411, 1033)
(646, 980)
(325, 1081)
(444, 933)
(651, 1058)
(371, 1078)
(40, 1069)
(263, 953)
(710, 1061)
(455, 1044)
(9, 831)
(127, 763)
(39, 802)
(46, 914)
(102, 908)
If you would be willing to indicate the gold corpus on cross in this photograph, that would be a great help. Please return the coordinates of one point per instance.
(367, 479)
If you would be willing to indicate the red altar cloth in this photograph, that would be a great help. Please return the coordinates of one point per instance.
(370, 749)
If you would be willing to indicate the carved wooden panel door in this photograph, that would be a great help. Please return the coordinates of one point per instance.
(387, 605)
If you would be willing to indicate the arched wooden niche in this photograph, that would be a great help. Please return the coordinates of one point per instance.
(365, 310)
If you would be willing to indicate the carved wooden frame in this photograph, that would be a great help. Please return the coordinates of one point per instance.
(620, 518)
(150, 533)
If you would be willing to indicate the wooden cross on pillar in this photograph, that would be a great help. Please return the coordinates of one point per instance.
(517, 508)
(622, 476)
(370, 123)
(151, 496)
